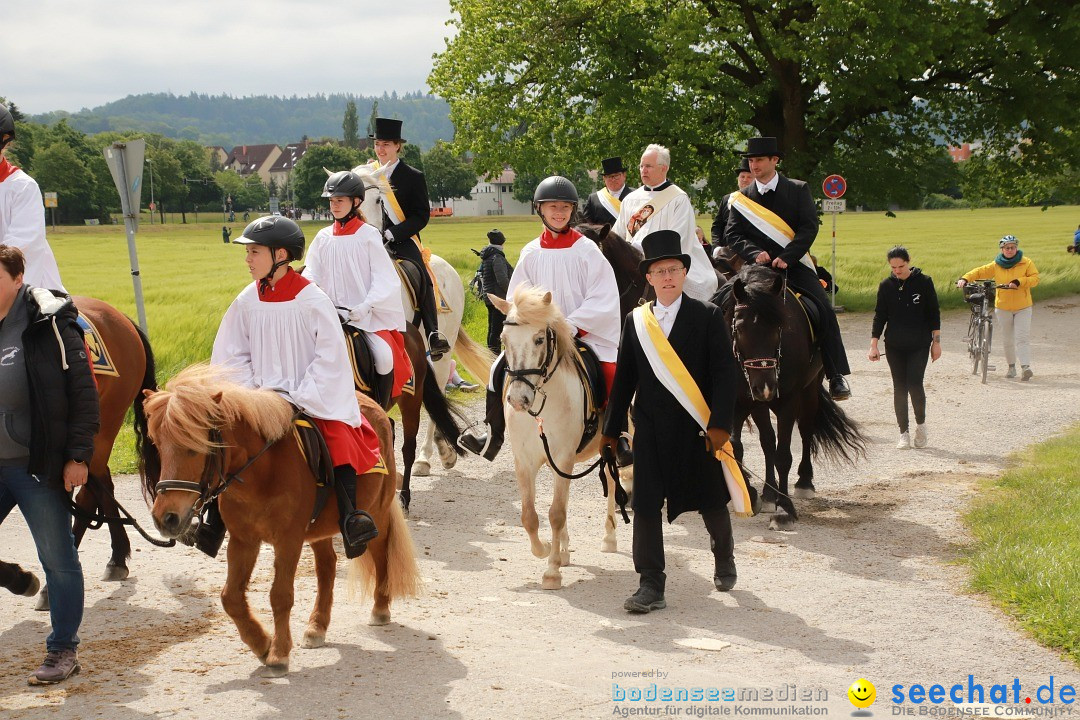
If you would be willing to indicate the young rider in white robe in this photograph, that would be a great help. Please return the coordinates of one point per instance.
(282, 333)
(347, 261)
(22, 216)
(582, 285)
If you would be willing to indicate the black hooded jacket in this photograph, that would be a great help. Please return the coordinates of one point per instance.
(495, 271)
(907, 310)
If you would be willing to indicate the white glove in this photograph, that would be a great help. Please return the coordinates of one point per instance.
(389, 235)
(360, 313)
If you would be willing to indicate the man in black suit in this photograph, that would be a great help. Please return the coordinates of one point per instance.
(743, 178)
(672, 461)
(602, 207)
(403, 222)
(755, 239)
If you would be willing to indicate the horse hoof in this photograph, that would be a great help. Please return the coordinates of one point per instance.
(115, 572)
(781, 521)
(552, 582)
(379, 618)
(313, 639)
(767, 506)
(609, 546)
(43, 600)
(804, 493)
(421, 468)
(276, 670)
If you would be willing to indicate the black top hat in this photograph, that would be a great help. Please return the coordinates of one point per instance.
(744, 166)
(662, 245)
(762, 147)
(612, 165)
(387, 129)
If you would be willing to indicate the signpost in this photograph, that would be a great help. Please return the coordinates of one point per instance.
(51, 203)
(125, 162)
(834, 188)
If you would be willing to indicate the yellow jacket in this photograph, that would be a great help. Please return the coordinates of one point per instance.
(1009, 300)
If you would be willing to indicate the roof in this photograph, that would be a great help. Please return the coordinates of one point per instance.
(250, 158)
(290, 155)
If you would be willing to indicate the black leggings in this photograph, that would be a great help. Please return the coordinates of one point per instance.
(908, 365)
(495, 328)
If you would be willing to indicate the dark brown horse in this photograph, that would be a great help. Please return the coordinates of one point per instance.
(218, 438)
(17, 580)
(624, 259)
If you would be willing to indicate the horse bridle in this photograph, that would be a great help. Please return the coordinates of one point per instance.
(214, 464)
(545, 371)
(764, 363)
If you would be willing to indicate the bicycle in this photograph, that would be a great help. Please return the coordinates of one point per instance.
(980, 295)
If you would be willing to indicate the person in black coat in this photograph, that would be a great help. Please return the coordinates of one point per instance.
(672, 459)
(495, 272)
(792, 202)
(907, 312)
(403, 238)
(743, 178)
(49, 408)
(598, 208)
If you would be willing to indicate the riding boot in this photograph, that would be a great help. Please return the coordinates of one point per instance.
(357, 526)
(487, 445)
(384, 389)
(437, 344)
(211, 531)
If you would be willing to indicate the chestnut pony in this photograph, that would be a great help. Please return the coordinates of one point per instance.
(218, 438)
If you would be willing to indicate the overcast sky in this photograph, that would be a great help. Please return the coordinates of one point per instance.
(65, 55)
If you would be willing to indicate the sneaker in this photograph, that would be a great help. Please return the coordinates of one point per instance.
(920, 435)
(1027, 374)
(645, 600)
(466, 386)
(58, 666)
(1012, 372)
(905, 441)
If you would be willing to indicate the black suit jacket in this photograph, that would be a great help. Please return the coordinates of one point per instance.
(595, 212)
(792, 201)
(719, 224)
(670, 455)
(410, 188)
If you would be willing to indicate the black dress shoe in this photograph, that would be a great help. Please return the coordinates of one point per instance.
(645, 600)
(625, 456)
(839, 388)
(438, 346)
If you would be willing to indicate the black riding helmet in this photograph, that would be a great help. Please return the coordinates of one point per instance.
(555, 189)
(7, 124)
(274, 231)
(344, 184)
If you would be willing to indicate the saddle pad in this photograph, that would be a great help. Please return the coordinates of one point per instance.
(409, 273)
(592, 377)
(100, 359)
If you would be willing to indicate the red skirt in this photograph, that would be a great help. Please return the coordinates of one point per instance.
(609, 375)
(403, 369)
(358, 447)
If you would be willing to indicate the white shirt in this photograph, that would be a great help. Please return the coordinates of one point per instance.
(357, 274)
(677, 215)
(582, 285)
(771, 185)
(294, 347)
(22, 225)
(665, 314)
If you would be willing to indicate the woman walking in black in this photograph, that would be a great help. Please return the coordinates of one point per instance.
(907, 311)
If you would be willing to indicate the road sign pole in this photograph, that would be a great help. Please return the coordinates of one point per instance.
(834, 260)
(119, 167)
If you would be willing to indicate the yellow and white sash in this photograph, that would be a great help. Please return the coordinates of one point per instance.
(611, 203)
(769, 223)
(672, 373)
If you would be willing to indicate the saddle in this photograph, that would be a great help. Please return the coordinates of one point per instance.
(812, 311)
(592, 379)
(412, 279)
(313, 447)
(362, 361)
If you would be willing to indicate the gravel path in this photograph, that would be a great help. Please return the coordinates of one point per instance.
(866, 586)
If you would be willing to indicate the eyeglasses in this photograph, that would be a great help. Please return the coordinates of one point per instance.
(666, 272)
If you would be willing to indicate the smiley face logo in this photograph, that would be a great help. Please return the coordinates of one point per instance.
(862, 693)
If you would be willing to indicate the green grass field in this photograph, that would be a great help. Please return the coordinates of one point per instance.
(189, 276)
(1027, 544)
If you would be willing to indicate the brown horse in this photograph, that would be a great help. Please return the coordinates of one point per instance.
(17, 580)
(624, 259)
(211, 432)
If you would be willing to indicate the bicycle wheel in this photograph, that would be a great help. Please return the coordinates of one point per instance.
(973, 324)
(988, 334)
(976, 349)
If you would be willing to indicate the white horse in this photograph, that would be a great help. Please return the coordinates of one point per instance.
(473, 356)
(542, 385)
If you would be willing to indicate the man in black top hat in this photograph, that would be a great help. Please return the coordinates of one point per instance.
(743, 178)
(406, 212)
(602, 207)
(753, 233)
(672, 461)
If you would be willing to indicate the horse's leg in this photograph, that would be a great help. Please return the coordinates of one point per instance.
(560, 552)
(325, 571)
(785, 514)
(767, 438)
(286, 558)
(116, 569)
(369, 488)
(610, 543)
(242, 555)
(422, 466)
(410, 424)
(526, 478)
(17, 580)
(804, 486)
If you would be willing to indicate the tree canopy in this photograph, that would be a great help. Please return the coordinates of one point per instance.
(447, 175)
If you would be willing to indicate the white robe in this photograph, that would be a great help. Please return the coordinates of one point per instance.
(677, 215)
(356, 272)
(294, 347)
(22, 225)
(582, 284)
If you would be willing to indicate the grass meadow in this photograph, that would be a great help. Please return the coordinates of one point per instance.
(1027, 541)
(190, 276)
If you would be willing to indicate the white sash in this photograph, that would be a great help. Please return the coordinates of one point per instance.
(767, 222)
(611, 203)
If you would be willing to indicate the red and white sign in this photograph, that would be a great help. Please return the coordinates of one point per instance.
(834, 186)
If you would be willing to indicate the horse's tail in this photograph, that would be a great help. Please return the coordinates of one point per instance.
(147, 452)
(402, 571)
(476, 358)
(836, 436)
(441, 411)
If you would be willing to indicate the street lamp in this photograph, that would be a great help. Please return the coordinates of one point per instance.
(150, 161)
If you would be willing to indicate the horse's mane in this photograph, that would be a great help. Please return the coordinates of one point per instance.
(622, 255)
(201, 398)
(530, 309)
(762, 297)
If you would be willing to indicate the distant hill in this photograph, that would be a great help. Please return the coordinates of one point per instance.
(227, 121)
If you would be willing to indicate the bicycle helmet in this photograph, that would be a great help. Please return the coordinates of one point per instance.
(1008, 239)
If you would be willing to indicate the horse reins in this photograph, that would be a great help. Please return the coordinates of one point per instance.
(214, 463)
(545, 372)
(95, 520)
(765, 363)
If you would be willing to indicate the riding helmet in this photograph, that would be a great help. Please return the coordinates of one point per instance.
(7, 122)
(555, 189)
(274, 231)
(344, 184)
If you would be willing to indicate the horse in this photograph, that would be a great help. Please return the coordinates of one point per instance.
(474, 357)
(782, 373)
(540, 344)
(217, 438)
(17, 580)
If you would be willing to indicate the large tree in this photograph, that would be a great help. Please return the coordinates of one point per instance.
(310, 173)
(447, 175)
(59, 169)
(351, 126)
(861, 87)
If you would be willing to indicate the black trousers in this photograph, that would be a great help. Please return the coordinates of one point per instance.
(908, 365)
(407, 248)
(649, 543)
(833, 354)
(495, 328)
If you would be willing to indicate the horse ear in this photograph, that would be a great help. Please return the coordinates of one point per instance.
(739, 288)
(778, 284)
(604, 230)
(216, 397)
(148, 393)
(547, 298)
(502, 305)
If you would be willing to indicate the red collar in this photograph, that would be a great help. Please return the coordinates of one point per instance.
(561, 241)
(6, 169)
(348, 228)
(287, 288)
